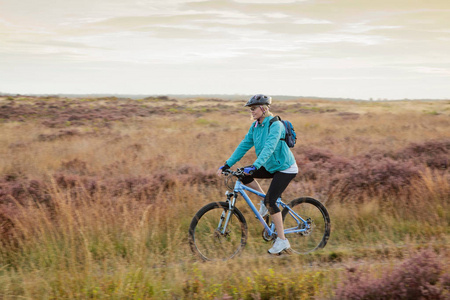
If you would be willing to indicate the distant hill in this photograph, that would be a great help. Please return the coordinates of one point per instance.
(205, 96)
(176, 96)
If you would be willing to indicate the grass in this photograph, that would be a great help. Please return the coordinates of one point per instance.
(98, 207)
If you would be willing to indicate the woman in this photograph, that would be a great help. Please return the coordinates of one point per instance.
(274, 160)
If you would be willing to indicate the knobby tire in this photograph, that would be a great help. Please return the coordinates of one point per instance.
(315, 238)
(207, 242)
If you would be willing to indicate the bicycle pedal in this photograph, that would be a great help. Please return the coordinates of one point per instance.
(288, 251)
(285, 251)
(275, 254)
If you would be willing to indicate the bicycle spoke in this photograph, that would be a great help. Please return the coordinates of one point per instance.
(310, 221)
(210, 240)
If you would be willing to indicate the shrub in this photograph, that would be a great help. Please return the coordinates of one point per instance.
(375, 173)
(435, 154)
(75, 166)
(55, 136)
(419, 277)
(321, 163)
(381, 177)
(23, 190)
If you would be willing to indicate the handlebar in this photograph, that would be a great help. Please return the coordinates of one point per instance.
(239, 173)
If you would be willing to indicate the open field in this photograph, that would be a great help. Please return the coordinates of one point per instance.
(96, 196)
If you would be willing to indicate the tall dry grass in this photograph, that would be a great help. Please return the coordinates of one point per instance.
(96, 196)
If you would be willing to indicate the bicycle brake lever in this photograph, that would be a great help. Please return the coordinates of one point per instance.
(226, 172)
(240, 171)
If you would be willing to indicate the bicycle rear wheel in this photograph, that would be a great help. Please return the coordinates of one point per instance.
(207, 238)
(317, 219)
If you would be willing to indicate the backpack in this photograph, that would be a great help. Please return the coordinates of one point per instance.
(291, 136)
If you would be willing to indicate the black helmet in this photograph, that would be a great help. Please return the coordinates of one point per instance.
(259, 99)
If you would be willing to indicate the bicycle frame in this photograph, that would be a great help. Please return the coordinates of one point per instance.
(239, 189)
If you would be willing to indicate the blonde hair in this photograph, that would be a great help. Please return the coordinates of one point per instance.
(265, 110)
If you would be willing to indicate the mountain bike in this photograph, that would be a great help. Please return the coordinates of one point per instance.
(219, 230)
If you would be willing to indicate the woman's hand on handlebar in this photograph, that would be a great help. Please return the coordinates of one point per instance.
(223, 168)
(249, 170)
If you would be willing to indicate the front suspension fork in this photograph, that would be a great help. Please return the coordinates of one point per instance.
(226, 215)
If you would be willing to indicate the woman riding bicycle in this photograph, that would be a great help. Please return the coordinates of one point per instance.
(274, 160)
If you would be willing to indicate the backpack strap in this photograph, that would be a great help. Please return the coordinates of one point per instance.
(274, 119)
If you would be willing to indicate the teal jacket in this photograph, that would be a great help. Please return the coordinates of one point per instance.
(272, 153)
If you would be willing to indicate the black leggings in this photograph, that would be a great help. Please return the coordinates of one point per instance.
(277, 186)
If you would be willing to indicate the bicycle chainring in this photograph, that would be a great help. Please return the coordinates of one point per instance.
(266, 237)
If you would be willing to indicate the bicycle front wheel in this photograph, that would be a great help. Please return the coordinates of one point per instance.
(216, 233)
(311, 218)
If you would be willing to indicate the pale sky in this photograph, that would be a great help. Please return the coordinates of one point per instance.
(380, 49)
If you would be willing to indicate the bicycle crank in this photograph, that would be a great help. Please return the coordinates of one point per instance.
(266, 236)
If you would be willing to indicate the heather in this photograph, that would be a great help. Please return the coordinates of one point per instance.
(96, 196)
(418, 277)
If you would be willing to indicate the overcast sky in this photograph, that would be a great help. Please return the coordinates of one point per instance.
(380, 49)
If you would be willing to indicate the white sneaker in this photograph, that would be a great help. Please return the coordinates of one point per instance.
(263, 209)
(279, 246)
